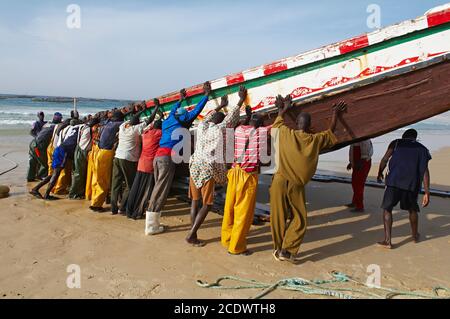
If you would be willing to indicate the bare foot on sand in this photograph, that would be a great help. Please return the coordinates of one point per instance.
(385, 244)
(195, 242)
(36, 194)
(416, 238)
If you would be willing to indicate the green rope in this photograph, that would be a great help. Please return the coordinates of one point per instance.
(320, 287)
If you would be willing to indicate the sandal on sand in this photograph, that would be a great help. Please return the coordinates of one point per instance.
(244, 253)
(288, 257)
(36, 194)
(276, 255)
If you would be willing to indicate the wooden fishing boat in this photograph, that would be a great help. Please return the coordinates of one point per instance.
(389, 78)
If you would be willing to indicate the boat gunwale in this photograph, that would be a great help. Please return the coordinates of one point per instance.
(192, 100)
(195, 91)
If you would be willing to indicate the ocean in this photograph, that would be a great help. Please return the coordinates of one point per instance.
(18, 113)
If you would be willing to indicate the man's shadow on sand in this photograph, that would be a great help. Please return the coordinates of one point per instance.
(365, 229)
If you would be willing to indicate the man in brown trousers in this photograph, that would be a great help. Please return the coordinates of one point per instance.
(297, 155)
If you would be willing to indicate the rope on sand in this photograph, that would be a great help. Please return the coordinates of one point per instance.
(15, 164)
(318, 287)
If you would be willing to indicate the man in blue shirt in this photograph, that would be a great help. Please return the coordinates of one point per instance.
(408, 167)
(164, 167)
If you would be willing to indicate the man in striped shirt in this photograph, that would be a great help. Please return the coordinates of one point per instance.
(250, 142)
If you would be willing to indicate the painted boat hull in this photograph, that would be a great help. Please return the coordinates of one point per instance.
(389, 78)
(383, 106)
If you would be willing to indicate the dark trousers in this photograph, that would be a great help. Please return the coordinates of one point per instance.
(122, 180)
(79, 173)
(37, 162)
(140, 195)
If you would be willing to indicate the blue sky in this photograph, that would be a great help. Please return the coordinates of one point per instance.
(141, 49)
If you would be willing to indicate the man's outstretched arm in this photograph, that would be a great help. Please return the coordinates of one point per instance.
(383, 163)
(178, 104)
(337, 109)
(199, 107)
(155, 111)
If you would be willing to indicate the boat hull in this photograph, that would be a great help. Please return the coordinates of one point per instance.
(383, 106)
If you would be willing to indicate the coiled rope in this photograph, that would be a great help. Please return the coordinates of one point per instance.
(15, 164)
(319, 287)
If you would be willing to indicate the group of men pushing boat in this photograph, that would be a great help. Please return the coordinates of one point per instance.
(132, 163)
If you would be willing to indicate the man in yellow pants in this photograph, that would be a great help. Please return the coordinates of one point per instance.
(104, 162)
(56, 140)
(297, 155)
(242, 184)
(91, 160)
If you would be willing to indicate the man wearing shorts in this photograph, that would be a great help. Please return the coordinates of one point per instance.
(408, 167)
(207, 165)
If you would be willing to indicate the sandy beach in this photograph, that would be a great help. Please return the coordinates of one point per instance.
(40, 239)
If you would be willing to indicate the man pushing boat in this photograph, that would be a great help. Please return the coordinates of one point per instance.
(297, 155)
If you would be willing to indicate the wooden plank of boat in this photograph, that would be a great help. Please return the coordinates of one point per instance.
(384, 105)
(390, 78)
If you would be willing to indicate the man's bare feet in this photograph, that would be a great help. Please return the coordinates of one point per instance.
(195, 242)
(385, 244)
(36, 194)
(416, 238)
(244, 253)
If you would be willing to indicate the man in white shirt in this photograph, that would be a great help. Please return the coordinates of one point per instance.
(360, 161)
(126, 159)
